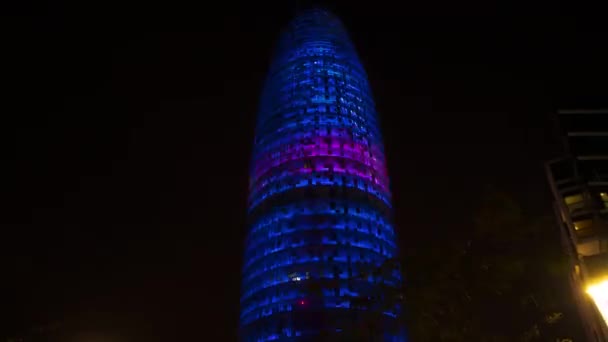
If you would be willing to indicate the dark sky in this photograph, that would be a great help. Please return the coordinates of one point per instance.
(128, 127)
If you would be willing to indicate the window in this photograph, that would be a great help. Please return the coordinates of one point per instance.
(583, 224)
(574, 202)
(604, 197)
(295, 277)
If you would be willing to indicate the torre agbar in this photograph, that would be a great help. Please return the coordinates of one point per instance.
(319, 222)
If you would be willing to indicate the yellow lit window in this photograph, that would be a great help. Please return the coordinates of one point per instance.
(573, 199)
(583, 224)
(604, 197)
(574, 202)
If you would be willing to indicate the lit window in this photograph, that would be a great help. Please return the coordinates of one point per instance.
(295, 277)
(583, 224)
(574, 202)
(604, 197)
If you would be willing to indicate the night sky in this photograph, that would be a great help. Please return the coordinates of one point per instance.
(127, 131)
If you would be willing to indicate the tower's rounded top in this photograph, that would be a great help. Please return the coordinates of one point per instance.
(316, 17)
(312, 28)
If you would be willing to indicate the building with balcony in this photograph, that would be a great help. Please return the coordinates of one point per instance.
(579, 183)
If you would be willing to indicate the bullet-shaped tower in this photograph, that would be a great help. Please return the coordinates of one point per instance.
(320, 239)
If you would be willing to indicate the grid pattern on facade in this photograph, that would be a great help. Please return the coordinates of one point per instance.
(319, 199)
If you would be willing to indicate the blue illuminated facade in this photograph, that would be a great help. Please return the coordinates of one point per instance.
(319, 200)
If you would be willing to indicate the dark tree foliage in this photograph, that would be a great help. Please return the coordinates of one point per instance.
(502, 280)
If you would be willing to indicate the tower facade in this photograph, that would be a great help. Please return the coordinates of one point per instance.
(320, 241)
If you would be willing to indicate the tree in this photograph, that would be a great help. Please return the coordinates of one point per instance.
(495, 282)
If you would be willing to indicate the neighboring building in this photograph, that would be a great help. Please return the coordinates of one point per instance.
(579, 183)
(319, 202)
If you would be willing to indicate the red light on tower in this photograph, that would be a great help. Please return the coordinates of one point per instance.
(302, 302)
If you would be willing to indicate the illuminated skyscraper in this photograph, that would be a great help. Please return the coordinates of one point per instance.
(319, 201)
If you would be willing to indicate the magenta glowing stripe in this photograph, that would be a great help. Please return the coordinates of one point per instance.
(379, 175)
(317, 147)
